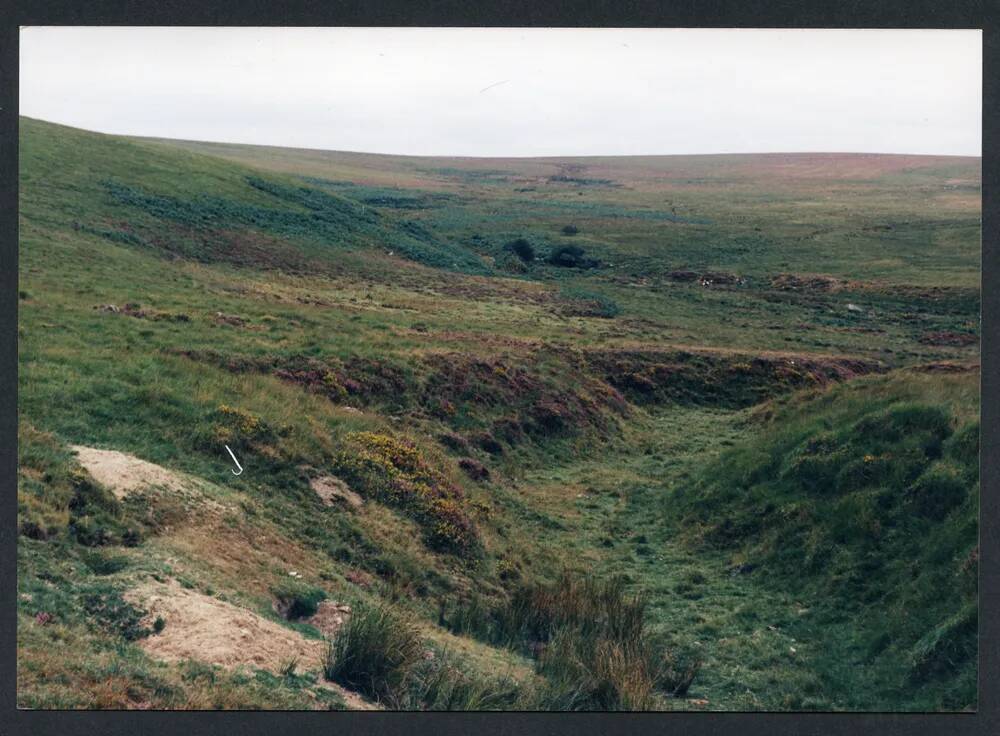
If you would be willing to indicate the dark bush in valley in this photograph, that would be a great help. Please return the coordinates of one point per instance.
(571, 256)
(522, 249)
(570, 230)
(454, 442)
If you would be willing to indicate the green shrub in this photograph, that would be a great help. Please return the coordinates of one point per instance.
(522, 248)
(297, 601)
(592, 303)
(571, 256)
(375, 653)
(96, 516)
(109, 611)
(104, 564)
(963, 446)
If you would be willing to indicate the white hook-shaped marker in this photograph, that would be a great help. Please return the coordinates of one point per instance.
(235, 461)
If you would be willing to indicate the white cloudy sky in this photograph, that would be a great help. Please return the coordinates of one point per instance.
(515, 92)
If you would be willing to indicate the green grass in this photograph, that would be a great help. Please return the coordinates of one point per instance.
(728, 412)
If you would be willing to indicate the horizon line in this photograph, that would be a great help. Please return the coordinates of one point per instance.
(501, 157)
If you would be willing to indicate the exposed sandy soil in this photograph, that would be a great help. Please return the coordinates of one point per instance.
(329, 617)
(123, 474)
(210, 630)
(332, 489)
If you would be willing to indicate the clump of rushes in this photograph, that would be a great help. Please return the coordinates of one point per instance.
(375, 653)
(395, 472)
(591, 645)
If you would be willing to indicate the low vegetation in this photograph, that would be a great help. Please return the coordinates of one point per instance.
(740, 424)
(863, 499)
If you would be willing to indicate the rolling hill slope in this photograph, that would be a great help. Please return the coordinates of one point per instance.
(456, 387)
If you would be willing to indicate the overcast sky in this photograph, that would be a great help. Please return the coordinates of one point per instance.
(515, 92)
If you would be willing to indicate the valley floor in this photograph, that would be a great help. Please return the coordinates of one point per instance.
(744, 633)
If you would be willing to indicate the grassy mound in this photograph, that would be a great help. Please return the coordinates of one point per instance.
(865, 499)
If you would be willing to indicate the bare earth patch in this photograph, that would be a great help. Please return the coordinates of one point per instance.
(206, 629)
(124, 474)
(329, 617)
(332, 489)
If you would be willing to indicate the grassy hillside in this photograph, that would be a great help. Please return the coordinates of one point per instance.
(458, 387)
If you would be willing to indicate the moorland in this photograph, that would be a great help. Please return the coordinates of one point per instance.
(641, 433)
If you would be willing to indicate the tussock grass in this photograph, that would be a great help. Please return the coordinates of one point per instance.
(375, 653)
(589, 639)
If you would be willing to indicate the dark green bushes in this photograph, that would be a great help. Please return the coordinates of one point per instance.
(939, 490)
(946, 647)
(96, 517)
(571, 256)
(523, 249)
(101, 563)
(109, 611)
(297, 601)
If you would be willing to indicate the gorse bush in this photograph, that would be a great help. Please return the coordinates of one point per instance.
(395, 472)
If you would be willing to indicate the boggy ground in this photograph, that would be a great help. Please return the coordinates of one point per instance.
(743, 390)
